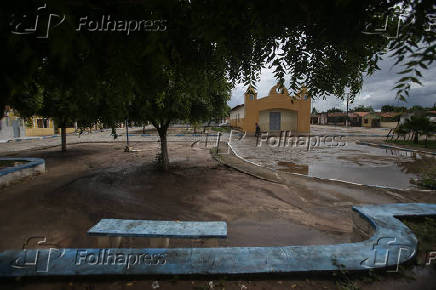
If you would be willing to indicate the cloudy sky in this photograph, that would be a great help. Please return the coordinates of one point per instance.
(376, 90)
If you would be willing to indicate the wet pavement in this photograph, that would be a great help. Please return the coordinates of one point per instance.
(340, 159)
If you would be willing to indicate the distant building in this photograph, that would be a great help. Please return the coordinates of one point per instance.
(276, 112)
(371, 120)
(336, 118)
(322, 119)
(11, 125)
(314, 119)
(389, 119)
(237, 116)
(40, 126)
(432, 116)
(14, 126)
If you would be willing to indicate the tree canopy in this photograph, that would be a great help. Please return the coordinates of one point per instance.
(182, 61)
(363, 108)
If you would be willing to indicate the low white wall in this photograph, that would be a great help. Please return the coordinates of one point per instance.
(388, 124)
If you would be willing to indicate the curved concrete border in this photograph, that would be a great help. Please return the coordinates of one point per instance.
(12, 174)
(391, 244)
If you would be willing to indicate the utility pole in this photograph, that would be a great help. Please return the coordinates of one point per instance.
(127, 149)
(127, 131)
(346, 117)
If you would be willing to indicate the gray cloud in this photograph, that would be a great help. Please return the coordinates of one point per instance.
(376, 90)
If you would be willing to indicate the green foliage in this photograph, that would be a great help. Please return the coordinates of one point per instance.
(426, 180)
(423, 228)
(416, 108)
(414, 48)
(29, 123)
(363, 108)
(319, 44)
(221, 129)
(333, 110)
(186, 72)
(390, 108)
(422, 143)
(418, 124)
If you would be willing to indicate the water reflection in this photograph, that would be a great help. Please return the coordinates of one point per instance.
(354, 163)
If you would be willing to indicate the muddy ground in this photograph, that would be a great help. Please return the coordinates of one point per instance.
(94, 181)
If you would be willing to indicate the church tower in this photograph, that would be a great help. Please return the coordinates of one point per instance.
(250, 95)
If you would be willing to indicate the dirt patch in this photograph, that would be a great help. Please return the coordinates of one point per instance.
(94, 181)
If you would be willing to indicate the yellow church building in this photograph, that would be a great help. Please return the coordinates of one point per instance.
(274, 113)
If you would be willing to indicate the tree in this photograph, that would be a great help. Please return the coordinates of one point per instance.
(428, 130)
(401, 130)
(190, 95)
(391, 108)
(363, 108)
(416, 108)
(325, 61)
(319, 44)
(387, 108)
(333, 110)
(418, 124)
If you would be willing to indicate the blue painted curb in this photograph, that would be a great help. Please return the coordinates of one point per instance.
(392, 243)
(30, 163)
(32, 138)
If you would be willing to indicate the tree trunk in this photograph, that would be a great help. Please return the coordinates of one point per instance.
(64, 138)
(415, 139)
(164, 161)
(208, 125)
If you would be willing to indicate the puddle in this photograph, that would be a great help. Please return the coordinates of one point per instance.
(353, 163)
(292, 167)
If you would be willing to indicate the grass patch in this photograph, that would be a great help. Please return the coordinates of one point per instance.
(421, 143)
(425, 230)
(221, 129)
(426, 179)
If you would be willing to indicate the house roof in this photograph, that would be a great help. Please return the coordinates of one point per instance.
(389, 114)
(361, 114)
(336, 114)
(372, 114)
(237, 107)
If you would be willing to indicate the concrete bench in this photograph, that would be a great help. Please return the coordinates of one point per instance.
(158, 229)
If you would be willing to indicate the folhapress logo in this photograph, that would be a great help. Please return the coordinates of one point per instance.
(386, 251)
(39, 25)
(42, 22)
(37, 260)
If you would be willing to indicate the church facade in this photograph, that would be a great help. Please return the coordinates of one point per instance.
(274, 113)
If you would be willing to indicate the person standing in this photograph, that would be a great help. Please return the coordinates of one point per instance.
(257, 134)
